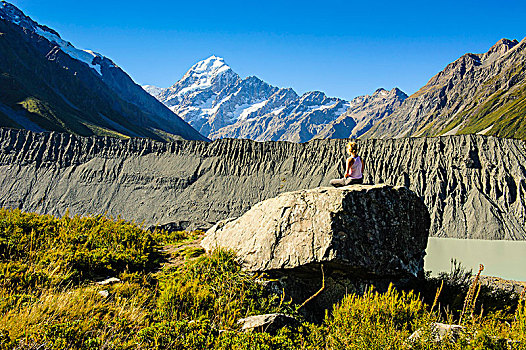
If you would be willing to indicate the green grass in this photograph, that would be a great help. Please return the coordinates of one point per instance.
(42, 250)
(507, 113)
(214, 288)
(505, 108)
(49, 298)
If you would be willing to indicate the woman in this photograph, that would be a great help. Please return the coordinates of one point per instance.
(353, 170)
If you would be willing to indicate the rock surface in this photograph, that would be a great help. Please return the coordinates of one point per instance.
(374, 230)
(474, 186)
(439, 332)
(269, 323)
(109, 280)
(508, 286)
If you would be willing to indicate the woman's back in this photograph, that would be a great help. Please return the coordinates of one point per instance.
(356, 168)
(353, 168)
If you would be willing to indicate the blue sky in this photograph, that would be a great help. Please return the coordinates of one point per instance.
(344, 48)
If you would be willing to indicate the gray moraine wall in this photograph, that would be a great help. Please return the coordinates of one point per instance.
(474, 186)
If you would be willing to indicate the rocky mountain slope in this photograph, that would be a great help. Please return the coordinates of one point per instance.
(48, 84)
(478, 93)
(474, 186)
(363, 113)
(220, 104)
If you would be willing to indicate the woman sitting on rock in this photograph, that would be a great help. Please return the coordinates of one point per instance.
(353, 170)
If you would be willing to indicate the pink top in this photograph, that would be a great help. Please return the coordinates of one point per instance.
(356, 168)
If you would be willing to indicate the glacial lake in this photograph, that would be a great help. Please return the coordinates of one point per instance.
(505, 259)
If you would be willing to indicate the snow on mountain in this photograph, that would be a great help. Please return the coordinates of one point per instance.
(152, 90)
(299, 121)
(196, 96)
(13, 14)
(219, 103)
(363, 113)
(83, 92)
(86, 56)
(203, 74)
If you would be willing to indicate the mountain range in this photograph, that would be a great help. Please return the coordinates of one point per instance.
(48, 84)
(478, 93)
(220, 104)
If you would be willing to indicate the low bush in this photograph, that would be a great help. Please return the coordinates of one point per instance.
(213, 287)
(41, 249)
(375, 320)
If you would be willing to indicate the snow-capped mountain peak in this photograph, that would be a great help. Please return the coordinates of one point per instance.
(218, 103)
(381, 92)
(213, 65)
(212, 72)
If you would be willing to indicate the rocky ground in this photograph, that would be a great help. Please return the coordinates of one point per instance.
(516, 287)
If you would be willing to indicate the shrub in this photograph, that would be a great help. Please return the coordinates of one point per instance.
(375, 320)
(256, 341)
(518, 328)
(177, 335)
(71, 319)
(43, 250)
(214, 287)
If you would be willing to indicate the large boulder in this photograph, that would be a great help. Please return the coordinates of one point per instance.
(358, 235)
(376, 230)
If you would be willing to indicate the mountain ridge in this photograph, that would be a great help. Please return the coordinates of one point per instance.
(474, 186)
(224, 105)
(477, 93)
(363, 113)
(48, 84)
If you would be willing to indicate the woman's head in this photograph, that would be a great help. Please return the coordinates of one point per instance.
(352, 148)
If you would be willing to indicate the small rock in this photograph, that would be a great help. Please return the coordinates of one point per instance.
(109, 281)
(273, 286)
(438, 331)
(269, 323)
(104, 293)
